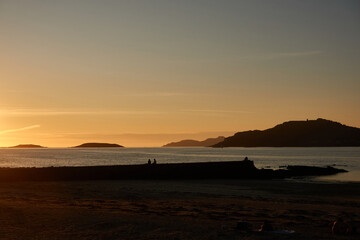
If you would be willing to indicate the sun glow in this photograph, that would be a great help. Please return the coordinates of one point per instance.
(137, 72)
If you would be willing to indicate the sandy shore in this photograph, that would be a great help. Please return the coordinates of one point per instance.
(202, 209)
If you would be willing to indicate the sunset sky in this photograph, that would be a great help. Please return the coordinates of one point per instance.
(148, 72)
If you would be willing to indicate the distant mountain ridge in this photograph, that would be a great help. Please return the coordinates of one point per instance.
(309, 133)
(27, 146)
(95, 145)
(194, 143)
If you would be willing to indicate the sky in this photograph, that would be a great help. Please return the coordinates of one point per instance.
(148, 72)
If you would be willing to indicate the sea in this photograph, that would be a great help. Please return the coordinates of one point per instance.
(347, 158)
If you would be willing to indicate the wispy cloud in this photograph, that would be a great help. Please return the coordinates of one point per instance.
(282, 55)
(214, 111)
(36, 112)
(50, 112)
(157, 94)
(298, 54)
(19, 129)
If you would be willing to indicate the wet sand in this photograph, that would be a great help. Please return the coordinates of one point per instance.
(183, 209)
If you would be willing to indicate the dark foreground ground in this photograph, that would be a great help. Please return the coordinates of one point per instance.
(201, 209)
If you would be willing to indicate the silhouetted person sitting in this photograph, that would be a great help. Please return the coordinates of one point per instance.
(154, 161)
(246, 159)
(266, 226)
(149, 161)
(340, 227)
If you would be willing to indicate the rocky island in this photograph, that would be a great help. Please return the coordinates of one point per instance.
(27, 146)
(98, 145)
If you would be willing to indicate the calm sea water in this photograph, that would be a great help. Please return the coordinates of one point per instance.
(343, 157)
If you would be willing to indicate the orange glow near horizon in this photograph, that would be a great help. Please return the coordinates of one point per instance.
(145, 73)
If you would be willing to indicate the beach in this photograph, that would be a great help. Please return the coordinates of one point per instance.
(179, 120)
(176, 209)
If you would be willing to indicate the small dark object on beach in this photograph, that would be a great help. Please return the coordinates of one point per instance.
(266, 226)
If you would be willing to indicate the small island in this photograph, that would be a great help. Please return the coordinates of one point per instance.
(27, 146)
(194, 143)
(99, 145)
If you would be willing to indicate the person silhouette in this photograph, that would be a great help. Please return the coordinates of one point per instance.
(266, 226)
(154, 161)
(340, 227)
(149, 161)
(246, 159)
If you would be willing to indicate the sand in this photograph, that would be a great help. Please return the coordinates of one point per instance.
(201, 209)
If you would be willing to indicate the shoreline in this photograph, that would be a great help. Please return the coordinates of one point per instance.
(201, 170)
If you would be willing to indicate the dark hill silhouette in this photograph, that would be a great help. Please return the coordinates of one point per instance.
(194, 143)
(97, 145)
(310, 133)
(27, 146)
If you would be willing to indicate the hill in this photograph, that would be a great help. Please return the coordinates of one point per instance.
(310, 133)
(194, 143)
(27, 146)
(97, 145)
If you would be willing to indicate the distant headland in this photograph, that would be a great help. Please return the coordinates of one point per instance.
(27, 146)
(309, 133)
(194, 143)
(98, 145)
